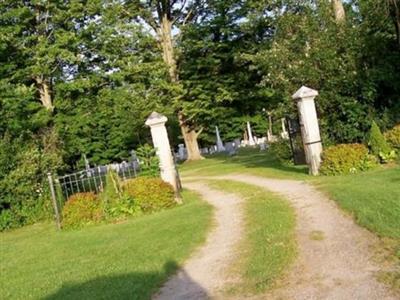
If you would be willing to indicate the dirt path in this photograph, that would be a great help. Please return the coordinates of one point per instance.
(335, 255)
(204, 275)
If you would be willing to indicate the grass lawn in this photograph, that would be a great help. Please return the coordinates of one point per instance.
(129, 260)
(269, 245)
(372, 198)
(246, 161)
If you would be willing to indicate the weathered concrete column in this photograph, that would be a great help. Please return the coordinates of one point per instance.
(220, 145)
(309, 127)
(159, 135)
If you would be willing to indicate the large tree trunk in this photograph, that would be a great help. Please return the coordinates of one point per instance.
(45, 93)
(167, 47)
(338, 10)
(188, 133)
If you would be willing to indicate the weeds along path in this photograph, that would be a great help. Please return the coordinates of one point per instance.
(335, 259)
(205, 274)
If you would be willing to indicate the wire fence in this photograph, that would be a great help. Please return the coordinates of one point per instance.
(93, 179)
(88, 180)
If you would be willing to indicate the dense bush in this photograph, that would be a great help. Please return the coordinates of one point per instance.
(82, 209)
(149, 164)
(112, 189)
(24, 196)
(393, 137)
(24, 190)
(150, 194)
(281, 150)
(378, 145)
(345, 159)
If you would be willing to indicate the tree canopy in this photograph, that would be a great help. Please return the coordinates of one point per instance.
(80, 77)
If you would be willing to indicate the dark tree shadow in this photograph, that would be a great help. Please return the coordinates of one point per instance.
(125, 286)
(257, 159)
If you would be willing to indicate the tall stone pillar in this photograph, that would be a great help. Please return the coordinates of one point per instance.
(309, 127)
(159, 135)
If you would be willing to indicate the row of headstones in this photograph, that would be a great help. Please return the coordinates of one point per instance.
(232, 147)
(304, 98)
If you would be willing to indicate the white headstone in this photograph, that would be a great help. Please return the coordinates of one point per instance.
(220, 145)
(181, 152)
(284, 133)
(250, 135)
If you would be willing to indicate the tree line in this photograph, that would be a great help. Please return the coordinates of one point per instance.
(80, 77)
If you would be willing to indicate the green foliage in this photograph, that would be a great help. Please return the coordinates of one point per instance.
(117, 204)
(378, 145)
(124, 206)
(267, 217)
(24, 197)
(393, 137)
(82, 209)
(112, 189)
(127, 260)
(282, 151)
(346, 159)
(353, 65)
(149, 164)
(151, 194)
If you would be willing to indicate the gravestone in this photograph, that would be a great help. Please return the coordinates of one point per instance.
(250, 135)
(220, 145)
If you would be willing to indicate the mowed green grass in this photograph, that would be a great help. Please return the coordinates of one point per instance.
(373, 198)
(250, 161)
(129, 260)
(268, 247)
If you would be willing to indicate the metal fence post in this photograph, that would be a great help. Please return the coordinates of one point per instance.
(54, 201)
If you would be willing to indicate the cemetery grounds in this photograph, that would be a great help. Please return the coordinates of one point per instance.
(134, 258)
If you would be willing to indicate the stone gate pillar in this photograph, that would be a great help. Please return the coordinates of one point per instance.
(159, 135)
(309, 127)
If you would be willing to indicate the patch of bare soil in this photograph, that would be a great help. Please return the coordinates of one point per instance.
(206, 274)
(335, 258)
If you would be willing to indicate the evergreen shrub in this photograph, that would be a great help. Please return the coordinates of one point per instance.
(150, 194)
(393, 137)
(112, 189)
(378, 145)
(282, 151)
(346, 159)
(82, 209)
(149, 163)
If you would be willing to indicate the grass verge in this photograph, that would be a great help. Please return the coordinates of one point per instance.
(373, 198)
(118, 261)
(250, 161)
(269, 246)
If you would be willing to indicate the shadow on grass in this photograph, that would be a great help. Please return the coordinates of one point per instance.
(125, 286)
(257, 159)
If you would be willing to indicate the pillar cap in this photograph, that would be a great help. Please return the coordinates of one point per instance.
(304, 92)
(156, 118)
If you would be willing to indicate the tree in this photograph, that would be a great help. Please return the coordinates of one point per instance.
(338, 10)
(163, 16)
